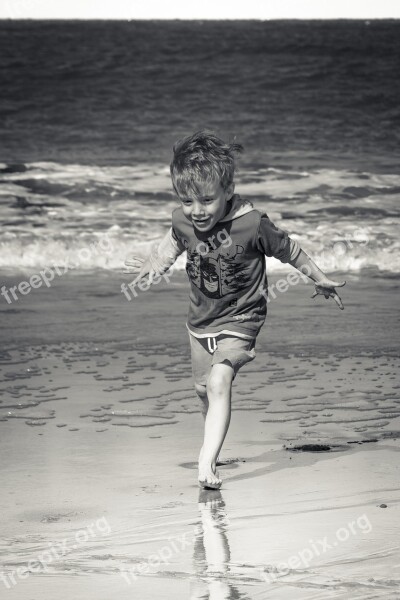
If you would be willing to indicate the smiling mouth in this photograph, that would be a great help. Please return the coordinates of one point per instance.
(200, 222)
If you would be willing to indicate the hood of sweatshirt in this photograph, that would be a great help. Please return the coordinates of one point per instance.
(239, 208)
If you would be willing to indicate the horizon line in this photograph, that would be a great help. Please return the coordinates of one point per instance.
(199, 19)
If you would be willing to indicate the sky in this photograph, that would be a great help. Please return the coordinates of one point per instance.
(206, 9)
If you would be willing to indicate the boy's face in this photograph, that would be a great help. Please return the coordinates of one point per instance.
(207, 208)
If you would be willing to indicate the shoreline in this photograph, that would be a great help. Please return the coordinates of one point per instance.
(90, 306)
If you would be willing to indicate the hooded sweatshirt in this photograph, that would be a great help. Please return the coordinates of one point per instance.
(226, 268)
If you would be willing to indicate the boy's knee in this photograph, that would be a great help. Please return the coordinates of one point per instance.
(201, 390)
(220, 379)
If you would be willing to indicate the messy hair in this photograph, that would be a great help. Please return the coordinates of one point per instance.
(202, 157)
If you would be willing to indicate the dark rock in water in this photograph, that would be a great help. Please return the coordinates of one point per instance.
(383, 506)
(16, 168)
(311, 448)
(363, 441)
(317, 448)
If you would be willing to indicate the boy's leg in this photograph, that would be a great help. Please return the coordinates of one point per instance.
(201, 365)
(218, 416)
(213, 374)
(201, 391)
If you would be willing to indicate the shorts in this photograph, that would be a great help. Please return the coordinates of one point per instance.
(210, 351)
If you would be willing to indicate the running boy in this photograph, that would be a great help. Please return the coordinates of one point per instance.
(226, 241)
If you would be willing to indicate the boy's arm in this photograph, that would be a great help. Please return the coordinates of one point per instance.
(323, 285)
(273, 241)
(162, 257)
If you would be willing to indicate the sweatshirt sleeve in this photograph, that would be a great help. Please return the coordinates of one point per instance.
(165, 253)
(275, 242)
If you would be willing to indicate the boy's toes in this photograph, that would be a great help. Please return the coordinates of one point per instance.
(207, 485)
(210, 480)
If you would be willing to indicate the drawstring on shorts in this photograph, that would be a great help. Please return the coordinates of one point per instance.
(212, 347)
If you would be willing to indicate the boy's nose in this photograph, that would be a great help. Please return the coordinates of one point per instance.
(198, 211)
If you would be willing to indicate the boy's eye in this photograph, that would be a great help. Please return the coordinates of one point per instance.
(207, 200)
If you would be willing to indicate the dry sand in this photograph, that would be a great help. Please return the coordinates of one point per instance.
(100, 432)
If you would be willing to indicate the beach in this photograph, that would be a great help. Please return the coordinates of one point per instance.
(100, 433)
(100, 428)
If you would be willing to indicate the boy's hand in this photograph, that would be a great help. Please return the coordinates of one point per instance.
(326, 287)
(138, 266)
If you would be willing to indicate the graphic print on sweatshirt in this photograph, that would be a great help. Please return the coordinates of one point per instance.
(219, 272)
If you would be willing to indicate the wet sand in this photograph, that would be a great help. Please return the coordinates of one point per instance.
(100, 432)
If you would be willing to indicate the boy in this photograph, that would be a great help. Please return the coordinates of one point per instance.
(226, 240)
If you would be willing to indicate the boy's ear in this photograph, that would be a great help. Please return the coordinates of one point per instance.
(230, 189)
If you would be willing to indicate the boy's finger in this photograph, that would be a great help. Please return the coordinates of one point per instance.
(338, 283)
(338, 301)
(327, 296)
(132, 271)
(130, 262)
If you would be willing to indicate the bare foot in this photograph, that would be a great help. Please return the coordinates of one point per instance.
(209, 477)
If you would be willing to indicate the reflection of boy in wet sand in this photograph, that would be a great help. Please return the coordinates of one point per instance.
(211, 553)
(225, 313)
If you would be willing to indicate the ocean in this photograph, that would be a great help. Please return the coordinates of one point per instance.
(90, 112)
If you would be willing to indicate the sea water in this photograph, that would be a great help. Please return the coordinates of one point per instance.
(90, 111)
